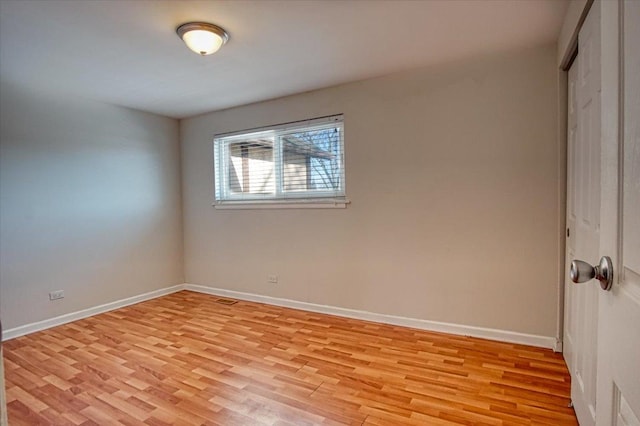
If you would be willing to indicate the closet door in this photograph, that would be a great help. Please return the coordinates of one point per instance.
(619, 316)
(583, 217)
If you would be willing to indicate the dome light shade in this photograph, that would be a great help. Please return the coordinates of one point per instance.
(202, 37)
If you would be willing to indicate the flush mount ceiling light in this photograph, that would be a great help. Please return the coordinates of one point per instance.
(202, 37)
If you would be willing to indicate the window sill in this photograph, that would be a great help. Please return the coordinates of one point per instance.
(283, 204)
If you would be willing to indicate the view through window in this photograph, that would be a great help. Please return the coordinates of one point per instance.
(286, 162)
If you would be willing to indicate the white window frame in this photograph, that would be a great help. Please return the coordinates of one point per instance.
(223, 197)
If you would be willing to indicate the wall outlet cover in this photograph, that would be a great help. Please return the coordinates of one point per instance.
(55, 295)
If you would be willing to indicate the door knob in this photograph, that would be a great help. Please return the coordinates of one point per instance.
(581, 272)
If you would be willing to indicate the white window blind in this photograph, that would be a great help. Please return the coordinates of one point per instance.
(290, 162)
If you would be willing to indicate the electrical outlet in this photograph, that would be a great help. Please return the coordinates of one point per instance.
(55, 295)
(272, 279)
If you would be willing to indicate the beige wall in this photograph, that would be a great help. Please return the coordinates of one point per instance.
(453, 177)
(452, 172)
(89, 203)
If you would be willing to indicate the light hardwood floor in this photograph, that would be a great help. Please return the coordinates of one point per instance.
(186, 359)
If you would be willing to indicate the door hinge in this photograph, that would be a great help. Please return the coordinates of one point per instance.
(568, 233)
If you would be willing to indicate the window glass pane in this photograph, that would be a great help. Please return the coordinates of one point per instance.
(251, 167)
(311, 160)
(290, 161)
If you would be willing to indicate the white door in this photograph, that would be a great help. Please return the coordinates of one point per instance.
(602, 328)
(618, 393)
(583, 218)
(3, 402)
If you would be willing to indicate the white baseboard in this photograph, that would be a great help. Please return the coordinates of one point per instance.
(558, 346)
(443, 327)
(74, 316)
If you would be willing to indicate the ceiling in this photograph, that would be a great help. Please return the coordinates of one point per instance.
(127, 52)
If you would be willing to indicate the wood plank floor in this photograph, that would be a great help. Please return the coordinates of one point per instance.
(185, 359)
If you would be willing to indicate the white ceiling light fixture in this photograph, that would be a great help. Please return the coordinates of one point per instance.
(202, 37)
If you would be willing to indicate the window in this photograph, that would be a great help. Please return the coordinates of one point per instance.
(295, 163)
